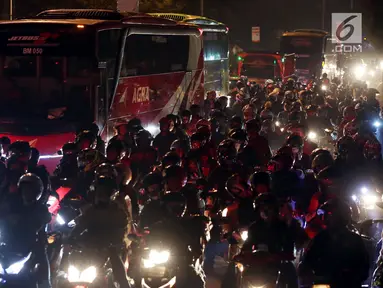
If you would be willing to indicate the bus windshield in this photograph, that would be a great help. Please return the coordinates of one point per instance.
(45, 70)
(259, 66)
(304, 45)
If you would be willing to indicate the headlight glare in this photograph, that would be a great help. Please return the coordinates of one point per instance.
(156, 258)
(86, 276)
(244, 235)
(16, 267)
(312, 135)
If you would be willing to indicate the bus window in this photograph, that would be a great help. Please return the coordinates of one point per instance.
(22, 66)
(154, 54)
(216, 46)
(108, 48)
(52, 67)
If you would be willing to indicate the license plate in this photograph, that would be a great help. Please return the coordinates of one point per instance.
(155, 272)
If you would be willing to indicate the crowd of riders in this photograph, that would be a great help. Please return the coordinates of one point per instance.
(248, 157)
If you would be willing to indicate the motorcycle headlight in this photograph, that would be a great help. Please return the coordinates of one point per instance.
(86, 276)
(277, 123)
(244, 235)
(312, 135)
(324, 88)
(377, 124)
(224, 212)
(60, 220)
(156, 258)
(16, 267)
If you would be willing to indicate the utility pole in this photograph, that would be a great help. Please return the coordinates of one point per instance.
(201, 7)
(352, 5)
(10, 9)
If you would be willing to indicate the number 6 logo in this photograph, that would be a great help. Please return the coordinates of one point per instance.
(343, 26)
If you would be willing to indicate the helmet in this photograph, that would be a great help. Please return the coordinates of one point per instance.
(134, 123)
(372, 150)
(336, 213)
(235, 122)
(203, 123)
(175, 203)
(226, 151)
(69, 148)
(237, 187)
(21, 150)
(31, 188)
(238, 135)
(280, 162)
(322, 161)
(260, 178)
(143, 138)
(174, 172)
(253, 125)
(349, 112)
(181, 147)
(86, 139)
(197, 141)
(152, 179)
(295, 141)
(106, 171)
(205, 132)
(266, 114)
(89, 159)
(267, 206)
(350, 129)
(319, 151)
(345, 145)
(171, 159)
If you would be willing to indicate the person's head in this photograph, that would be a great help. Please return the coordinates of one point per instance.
(175, 204)
(224, 101)
(35, 157)
(143, 139)
(324, 76)
(69, 149)
(319, 151)
(30, 188)
(181, 147)
(197, 141)
(174, 121)
(89, 159)
(122, 129)
(239, 136)
(260, 183)
(195, 110)
(211, 95)
(267, 207)
(253, 127)
(330, 180)
(165, 125)
(335, 214)
(235, 123)
(321, 162)
(227, 153)
(248, 112)
(20, 152)
(266, 115)
(105, 184)
(296, 142)
(5, 143)
(153, 185)
(114, 151)
(238, 188)
(346, 146)
(170, 159)
(185, 117)
(372, 150)
(86, 139)
(349, 113)
(175, 178)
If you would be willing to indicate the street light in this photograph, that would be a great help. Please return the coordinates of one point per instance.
(10, 9)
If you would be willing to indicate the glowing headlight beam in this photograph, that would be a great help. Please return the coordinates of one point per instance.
(312, 135)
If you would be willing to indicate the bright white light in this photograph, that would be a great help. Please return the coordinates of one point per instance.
(60, 220)
(369, 201)
(277, 123)
(224, 212)
(244, 235)
(312, 135)
(364, 190)
(381, 64)
(359, 71)
(371, 73)
(377, 124)
(282, 129)
(87, 276)
(50, 156)
(152, 129)
(15, 268)
(156, 258)
(324, 88)
(354, 197)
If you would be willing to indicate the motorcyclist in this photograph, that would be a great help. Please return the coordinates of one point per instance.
(5, 142)
(336, 255)
(41, 171)
(67, 168)
(301, 160)
(239, 137)
(114, 152)
(24, 219)
(260, 183)
(348, 116)
(164, 140)
(106, 222)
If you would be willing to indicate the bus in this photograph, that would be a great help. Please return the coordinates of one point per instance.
(64, 69)
(309, 46)
(216, 49)
(260, 66)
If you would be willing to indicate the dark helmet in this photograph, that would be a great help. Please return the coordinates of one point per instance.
(295, 141)
(319, 151)
(253, 125)
(69, 148)
(336, 213)
(35, 155)
(105, 182)
(260, 178)
(143, 137)
(152, 179)
(349, 112)
(133, 124)
(235, 122)
(86, 139)
(174, 172)
(372, 150)
(171, 159)
(175, 203)
(31, 188)
(321, 162)
(197, 141)
(280, 162)
(226, 151)
(205, 132)
(238, 135)
(346, 145)
(238, 188)
(106, 171)
(20, 149)
(267, 204)
(89, 159)
(181, 147)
